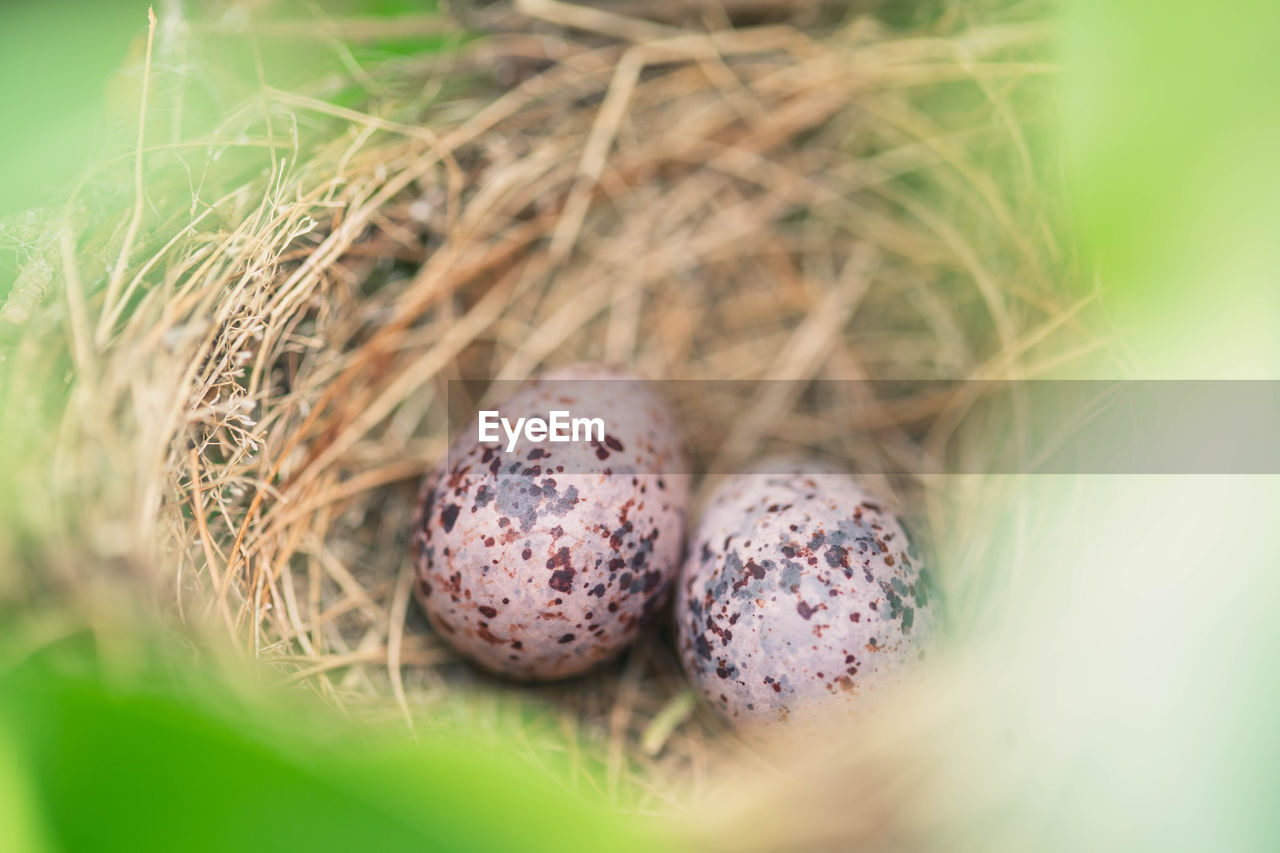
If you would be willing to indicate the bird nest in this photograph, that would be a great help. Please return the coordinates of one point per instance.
(260, 330)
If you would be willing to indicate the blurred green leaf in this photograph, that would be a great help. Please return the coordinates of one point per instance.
(55, 59)
(1173, 131)
(162, 766)
(1172, 124)
(19, 831)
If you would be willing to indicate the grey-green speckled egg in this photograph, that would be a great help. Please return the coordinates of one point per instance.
(799, 596)
(540, 563)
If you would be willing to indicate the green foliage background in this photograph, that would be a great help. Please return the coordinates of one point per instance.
(1172, 123)
(165, 758)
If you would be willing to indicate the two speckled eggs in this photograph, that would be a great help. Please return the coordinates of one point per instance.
(798, 595)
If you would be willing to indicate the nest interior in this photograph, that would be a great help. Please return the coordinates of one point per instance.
(256, 337)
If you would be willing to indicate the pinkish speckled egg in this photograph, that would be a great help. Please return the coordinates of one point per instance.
(541, 562)
(799, 595)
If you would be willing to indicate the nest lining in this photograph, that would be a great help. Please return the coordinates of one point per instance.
(261, 383)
